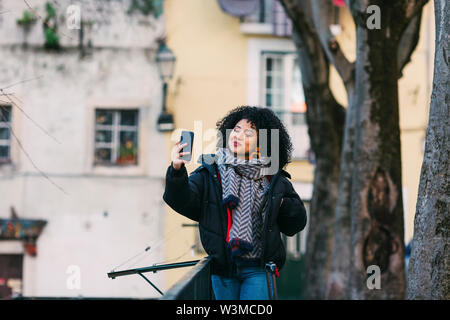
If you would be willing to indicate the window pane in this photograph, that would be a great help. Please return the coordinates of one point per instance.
(268, 100)
(268, 82)
(4, 152)
(128, 118)
(103, 136)
(103, 155)
(128, 148)
(269, 64)
(277, 64)
(4, 133)
(5, 113)
(104, 117)
(128, 136)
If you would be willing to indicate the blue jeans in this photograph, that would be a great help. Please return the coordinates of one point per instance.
(249, 283)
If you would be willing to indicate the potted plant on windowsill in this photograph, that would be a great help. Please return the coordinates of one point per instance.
(127, 154)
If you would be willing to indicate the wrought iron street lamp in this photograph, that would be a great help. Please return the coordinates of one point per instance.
(165, 60)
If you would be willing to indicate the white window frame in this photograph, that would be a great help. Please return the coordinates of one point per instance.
(256, 76)
(116, 128)
(263, 91)
(288, 68)
(138, 170)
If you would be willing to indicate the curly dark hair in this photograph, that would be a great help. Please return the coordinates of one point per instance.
(261, 118)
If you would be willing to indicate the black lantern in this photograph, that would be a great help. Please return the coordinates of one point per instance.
(165, 60)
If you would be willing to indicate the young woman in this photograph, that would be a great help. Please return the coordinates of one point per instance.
(240, 202)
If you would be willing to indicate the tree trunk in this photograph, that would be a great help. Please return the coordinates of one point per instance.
(429, 271)
(377, 232)
(325, 119)
(338, 283)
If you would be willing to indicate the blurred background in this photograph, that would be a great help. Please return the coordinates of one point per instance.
(94, 94)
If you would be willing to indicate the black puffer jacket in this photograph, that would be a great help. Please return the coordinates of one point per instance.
(199, 197)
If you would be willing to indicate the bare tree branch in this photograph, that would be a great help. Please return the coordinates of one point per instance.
(10, 101)
(408, 42)
(300, 13)
(19, 143)
(20, 82)
(414, 7)
(7, 95)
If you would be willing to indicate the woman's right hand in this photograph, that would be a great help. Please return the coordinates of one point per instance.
(177, 163)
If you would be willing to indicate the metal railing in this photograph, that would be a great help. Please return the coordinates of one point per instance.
(195, 285)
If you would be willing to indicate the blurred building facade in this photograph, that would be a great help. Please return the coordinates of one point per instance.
(88, 121)
(83, 104)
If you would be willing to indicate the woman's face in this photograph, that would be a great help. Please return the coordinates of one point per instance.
(243, 139)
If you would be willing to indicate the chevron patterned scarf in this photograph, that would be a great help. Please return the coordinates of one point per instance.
(243, 191)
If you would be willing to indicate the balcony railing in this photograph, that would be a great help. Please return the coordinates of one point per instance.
(195, 285)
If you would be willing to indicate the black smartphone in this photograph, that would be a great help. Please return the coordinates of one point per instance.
(187, 137)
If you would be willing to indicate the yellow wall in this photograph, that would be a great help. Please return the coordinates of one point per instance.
(414, 95)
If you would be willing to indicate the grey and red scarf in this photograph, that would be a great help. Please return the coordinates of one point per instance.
(244, 187)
